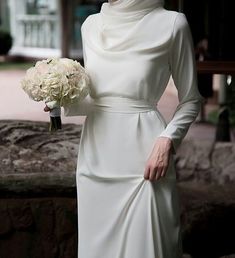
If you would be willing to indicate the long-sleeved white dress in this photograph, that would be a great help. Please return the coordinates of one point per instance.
(121, 214)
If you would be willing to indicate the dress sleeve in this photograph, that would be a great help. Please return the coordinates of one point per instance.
(183, 69)
(82, 107)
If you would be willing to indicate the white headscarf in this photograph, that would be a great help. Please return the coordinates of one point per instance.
(123, 11)
(117, 24)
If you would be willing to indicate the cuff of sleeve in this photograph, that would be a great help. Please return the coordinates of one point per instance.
(52, 104)
(80, 108)
(175, 142)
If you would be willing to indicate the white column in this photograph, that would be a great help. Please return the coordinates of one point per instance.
(16, 8)
(58, 28)
(222, 88)
(181, 5)
(4, 14)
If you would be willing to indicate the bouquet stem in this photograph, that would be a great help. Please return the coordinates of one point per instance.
(55, 119)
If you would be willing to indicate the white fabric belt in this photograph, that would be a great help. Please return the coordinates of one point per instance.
(122, 104)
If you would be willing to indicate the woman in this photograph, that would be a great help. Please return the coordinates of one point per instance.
(126, 183)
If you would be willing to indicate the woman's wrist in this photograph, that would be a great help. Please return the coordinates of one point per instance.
(167, 141)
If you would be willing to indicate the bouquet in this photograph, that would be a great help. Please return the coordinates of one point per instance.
(58, 82)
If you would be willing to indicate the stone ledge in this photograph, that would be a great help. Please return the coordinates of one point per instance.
(38, 184)
(28, 147)
(206, 162)
(32, 165)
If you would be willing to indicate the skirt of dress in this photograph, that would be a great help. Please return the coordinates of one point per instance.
(121, 214)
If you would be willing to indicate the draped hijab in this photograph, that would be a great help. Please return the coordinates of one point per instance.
(119, 24)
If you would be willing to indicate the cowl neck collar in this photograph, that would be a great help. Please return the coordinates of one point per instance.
(120, 26)
(122, 11)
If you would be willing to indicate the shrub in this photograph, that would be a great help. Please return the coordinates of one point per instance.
(5, 42)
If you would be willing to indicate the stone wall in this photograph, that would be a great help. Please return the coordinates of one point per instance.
(28, 147)
(38, 208)
(38, 205)
(38, 227)
(206, 178)
(206, 162)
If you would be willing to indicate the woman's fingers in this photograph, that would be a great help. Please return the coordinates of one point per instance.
(152, 173)
(156, 169)
(158, 161)
(46, 108)
(155, 174)
(158, 174)
(163, 173)
(146, 172)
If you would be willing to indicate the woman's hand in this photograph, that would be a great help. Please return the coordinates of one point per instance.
(158, 161)
(46, 109)
(50, 105)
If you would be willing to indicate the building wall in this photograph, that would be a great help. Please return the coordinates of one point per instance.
(4, 16)
(35, 28)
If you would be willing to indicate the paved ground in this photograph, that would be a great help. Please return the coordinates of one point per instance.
(15, 104)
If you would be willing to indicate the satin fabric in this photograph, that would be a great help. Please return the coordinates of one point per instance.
(120, 214)
(118, 20)
(117, 26)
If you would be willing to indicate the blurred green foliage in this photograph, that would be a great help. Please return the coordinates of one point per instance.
(230, 99)
(8, 65)
(5, 42)
(230, 102)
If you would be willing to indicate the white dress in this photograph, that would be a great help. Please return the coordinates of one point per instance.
(121, 214)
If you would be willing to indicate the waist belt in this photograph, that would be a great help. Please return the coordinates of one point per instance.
(122, 104)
